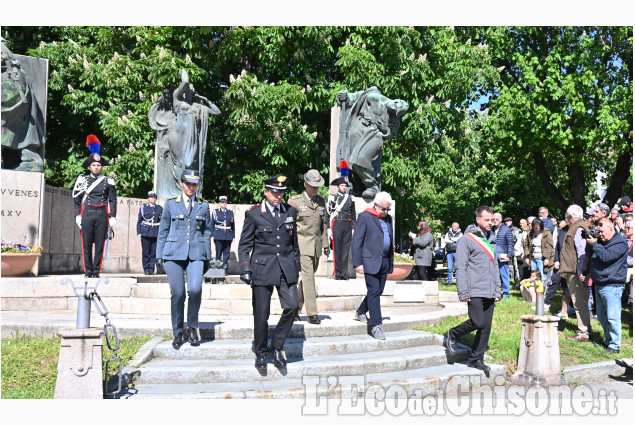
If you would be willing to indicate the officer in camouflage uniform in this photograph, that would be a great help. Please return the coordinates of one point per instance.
(312, 238)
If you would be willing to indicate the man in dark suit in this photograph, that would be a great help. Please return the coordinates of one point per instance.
(183, 246)
(373, 255)
(148, 222)
(224, 230)
(269, 256)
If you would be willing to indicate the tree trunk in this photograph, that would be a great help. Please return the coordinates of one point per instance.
(622, 171)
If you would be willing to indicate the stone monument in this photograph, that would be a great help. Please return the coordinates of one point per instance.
(367, 119)
(24, 89)
(179, 119)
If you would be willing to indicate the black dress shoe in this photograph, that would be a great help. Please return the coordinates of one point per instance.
(95, 275)
(192, 336)
(449, 342)
(344, 277)
(178, 341)
(314, 320)
(478, 364)
(261, 362)
(278, 357)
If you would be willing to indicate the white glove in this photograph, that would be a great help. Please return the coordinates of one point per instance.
(330, 233)
(78, 220)
(112, 221)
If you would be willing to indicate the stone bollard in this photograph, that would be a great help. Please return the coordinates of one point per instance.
(539, 357)
(79, 371)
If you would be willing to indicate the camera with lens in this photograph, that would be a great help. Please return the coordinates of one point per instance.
(595, 234)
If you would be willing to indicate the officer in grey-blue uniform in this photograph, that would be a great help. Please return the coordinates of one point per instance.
(184, 245)
(269, 257)
(148, 221)
(224, 231)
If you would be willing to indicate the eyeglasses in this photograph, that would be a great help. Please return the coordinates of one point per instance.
(385, 209)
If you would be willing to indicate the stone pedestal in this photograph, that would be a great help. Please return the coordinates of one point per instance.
(539, 356)
(79, 371)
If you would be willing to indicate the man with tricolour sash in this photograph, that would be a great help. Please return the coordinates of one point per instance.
(478, 284)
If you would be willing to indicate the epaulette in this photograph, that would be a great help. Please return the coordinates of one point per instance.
(111, 181)
(295, 196)
(200, 200)
(255, 206)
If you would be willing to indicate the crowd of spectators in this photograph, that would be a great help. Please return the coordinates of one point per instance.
(588, 255)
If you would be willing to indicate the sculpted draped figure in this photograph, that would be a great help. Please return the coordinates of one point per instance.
(180, 119)
(22, 117)
(367, 120)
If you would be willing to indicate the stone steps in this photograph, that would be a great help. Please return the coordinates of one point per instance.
(414, 382)
(414, 360)
(229, 349)
(128, 295)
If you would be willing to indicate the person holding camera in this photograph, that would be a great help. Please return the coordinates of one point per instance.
(573, 266)
(608, 266)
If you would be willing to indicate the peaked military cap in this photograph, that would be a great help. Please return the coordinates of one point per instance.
(191, 176)
(222, 199)
(277, 183)
(152, 193)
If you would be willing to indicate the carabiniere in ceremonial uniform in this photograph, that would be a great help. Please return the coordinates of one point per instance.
(148, 221)
(342, 218)
(95, 208)
(224, 231)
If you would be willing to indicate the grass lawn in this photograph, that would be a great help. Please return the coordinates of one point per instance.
(504, 340)
(29, 364)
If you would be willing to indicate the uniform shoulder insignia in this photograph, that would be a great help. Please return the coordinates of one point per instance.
(295, 196)
(111, 181)
(287, 205)
(174, 197)
(255, 206)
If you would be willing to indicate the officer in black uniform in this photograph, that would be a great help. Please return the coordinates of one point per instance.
(95, 209)
(269, 256)
(148, 222)
(342, 217)
(224, 231)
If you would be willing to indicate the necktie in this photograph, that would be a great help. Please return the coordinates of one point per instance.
(277, 215)
(189, 206)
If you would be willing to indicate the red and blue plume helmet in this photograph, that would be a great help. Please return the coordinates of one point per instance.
(94, 146)
(344, 171)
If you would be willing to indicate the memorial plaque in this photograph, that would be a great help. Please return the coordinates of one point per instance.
(409, 291)
(21, 206)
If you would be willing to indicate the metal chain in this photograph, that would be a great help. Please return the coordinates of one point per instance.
(111, 334)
